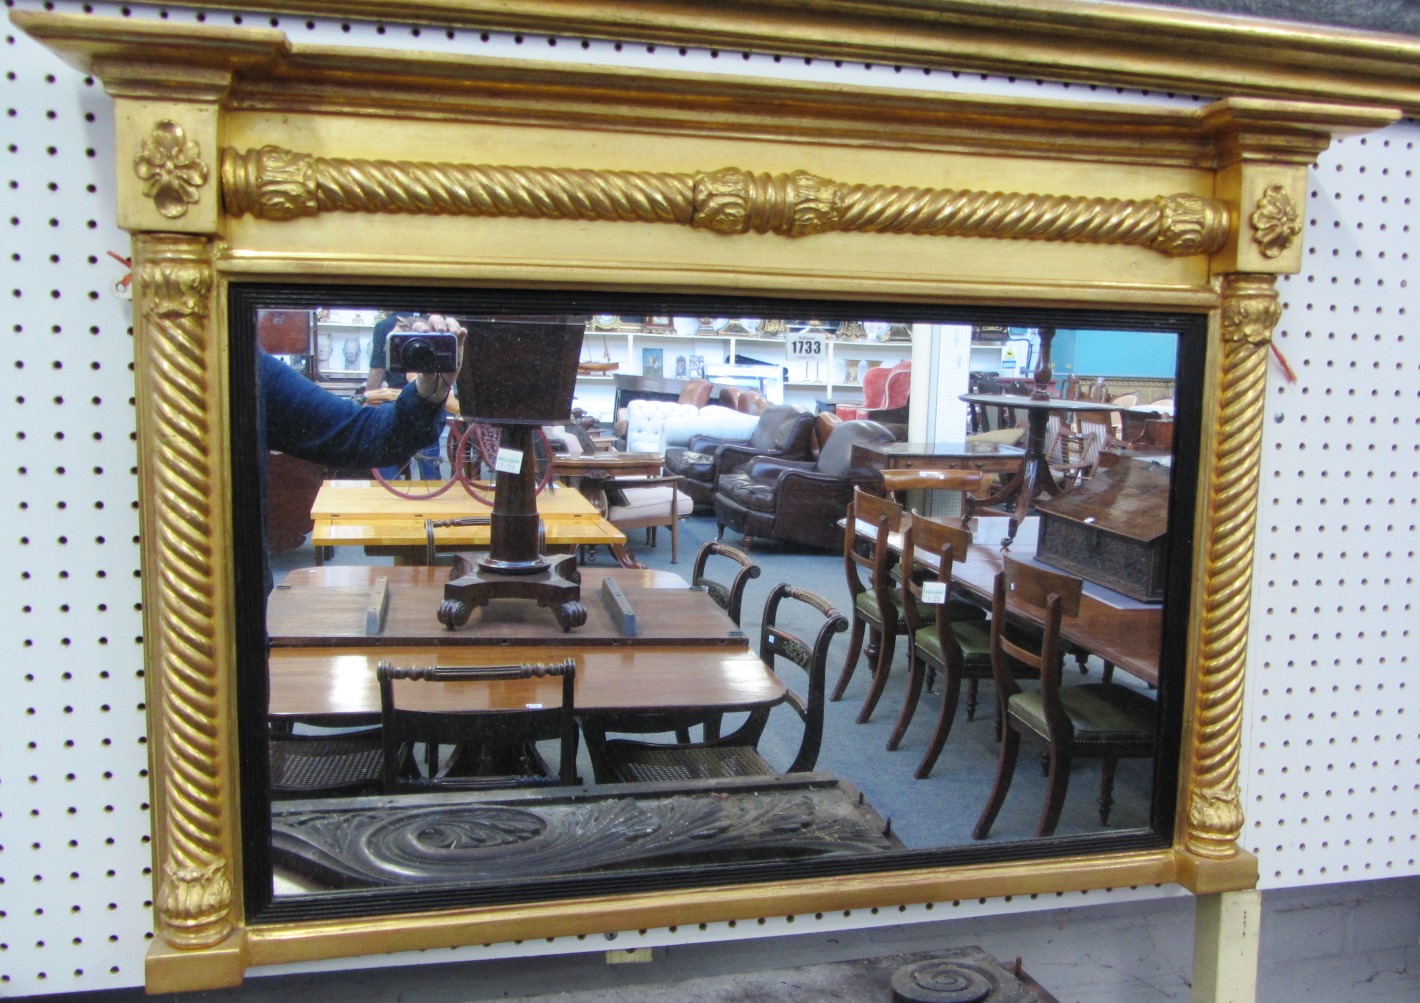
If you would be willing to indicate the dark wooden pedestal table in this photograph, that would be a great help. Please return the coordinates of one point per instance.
(1033, 475)
(515, 568)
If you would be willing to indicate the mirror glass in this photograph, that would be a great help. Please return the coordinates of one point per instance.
(365, 796)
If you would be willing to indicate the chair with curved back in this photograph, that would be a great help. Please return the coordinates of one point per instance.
(867, 564)
(946, 637)
(729, 396)
(696, 392)
(1105, 721)
(874, 385)
(737, 754)
(436, 706)
(886, 390)
(729, 598)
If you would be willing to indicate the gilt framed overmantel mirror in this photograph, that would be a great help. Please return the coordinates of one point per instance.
(259, 177)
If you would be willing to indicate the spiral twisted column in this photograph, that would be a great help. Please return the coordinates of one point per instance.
(278, 184)
(1250, 311)
(273, 183)
(1176, 225)
(181, 532)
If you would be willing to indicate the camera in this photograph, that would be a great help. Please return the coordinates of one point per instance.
(423, 352)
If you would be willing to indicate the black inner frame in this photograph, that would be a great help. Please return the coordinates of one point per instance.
(245, 298)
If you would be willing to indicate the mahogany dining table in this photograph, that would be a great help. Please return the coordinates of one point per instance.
(661, 674)
(1121, 630)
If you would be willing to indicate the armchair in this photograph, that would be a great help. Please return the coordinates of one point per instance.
(782, 431)
(884, 389)
(799, 501)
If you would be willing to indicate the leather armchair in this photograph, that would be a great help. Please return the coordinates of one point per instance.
(782, 431)
(799, 501)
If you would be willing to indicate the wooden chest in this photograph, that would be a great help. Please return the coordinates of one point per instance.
(1111, 529)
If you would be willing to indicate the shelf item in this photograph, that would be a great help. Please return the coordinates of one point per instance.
(635, 345)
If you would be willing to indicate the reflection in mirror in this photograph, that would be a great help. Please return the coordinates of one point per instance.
(978, 654)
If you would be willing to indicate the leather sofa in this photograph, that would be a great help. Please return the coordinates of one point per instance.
(798, 501)
(783, 430)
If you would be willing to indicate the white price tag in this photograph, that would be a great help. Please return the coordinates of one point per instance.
(805, 346)
(510, 461)
(934, 593)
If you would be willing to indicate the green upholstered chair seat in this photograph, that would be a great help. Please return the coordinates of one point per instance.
(867, 604)
(1099, 712)
(974, 636)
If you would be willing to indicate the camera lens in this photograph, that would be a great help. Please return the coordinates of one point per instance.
(419, 355)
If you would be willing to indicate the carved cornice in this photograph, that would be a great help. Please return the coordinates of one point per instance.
(278, 184)
(1136, 45)
(1250, 311)
(174, 290)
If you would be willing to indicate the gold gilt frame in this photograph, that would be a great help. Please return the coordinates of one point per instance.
(242, 156)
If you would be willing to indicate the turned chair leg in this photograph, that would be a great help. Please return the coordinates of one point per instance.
(973, 692)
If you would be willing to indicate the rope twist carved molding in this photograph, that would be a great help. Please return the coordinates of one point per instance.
(195, 891)
(278, 184)
(1250, 311)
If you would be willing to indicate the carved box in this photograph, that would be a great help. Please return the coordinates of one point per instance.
(1111, 529)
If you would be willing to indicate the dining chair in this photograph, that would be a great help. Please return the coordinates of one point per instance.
(1105, 721)
(1075, 457)
(867, 565)
(955, 647)
(934, 484)
(343, 764)
(433, 707)
(737, 754)
(729, 597)
(1116, 419)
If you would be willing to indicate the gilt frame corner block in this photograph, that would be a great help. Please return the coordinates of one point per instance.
(694, 183)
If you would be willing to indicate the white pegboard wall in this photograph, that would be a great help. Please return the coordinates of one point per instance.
(74, 830)
(1333, 792)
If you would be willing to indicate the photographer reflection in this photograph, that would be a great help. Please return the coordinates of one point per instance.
(404, 343)
(380, 376)
(299, 418)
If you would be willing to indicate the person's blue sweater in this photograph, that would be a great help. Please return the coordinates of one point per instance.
(299, 418)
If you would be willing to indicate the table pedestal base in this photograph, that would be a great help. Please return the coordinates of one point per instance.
(556, 586)
(1018, 494)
